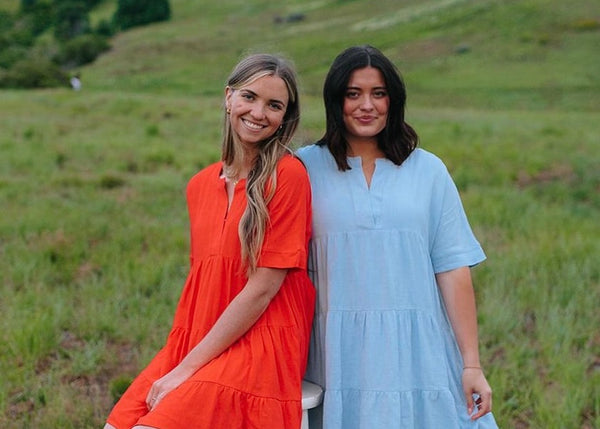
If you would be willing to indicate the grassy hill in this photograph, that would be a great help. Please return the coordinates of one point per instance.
(93, 225)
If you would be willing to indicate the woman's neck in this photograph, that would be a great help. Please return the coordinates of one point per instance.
(367, 149)
(241, 165)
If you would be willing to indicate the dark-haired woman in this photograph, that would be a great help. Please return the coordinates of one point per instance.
(237, 350)
(395, 340)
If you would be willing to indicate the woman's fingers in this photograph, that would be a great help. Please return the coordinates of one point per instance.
(150, 398)
(154, 397)
(478, 393)
(484, 404)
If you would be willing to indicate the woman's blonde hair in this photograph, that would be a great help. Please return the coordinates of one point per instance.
(262, 178)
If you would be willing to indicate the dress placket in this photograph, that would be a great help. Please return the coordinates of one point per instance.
(230, 218)
(368, 203)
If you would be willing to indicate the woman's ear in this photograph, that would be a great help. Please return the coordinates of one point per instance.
(228, 94)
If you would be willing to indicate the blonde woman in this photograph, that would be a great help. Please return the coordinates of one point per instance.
(237, 350)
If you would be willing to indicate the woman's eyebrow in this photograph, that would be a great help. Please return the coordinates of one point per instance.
(358, 88)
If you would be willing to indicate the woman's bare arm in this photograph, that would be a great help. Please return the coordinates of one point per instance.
(239, 316)
(459, 298)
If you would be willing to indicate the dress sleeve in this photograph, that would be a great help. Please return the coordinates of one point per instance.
(452, 244)
(288, 230)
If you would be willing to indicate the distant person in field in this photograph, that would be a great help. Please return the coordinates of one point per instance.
(395, 342)
(238, 347)
(75, 82)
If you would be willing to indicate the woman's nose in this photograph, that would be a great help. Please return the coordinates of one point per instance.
(258, 111)
(366, 103)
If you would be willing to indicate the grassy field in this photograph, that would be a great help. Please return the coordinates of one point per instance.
(93, 224)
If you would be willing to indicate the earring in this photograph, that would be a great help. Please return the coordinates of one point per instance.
(228, 110)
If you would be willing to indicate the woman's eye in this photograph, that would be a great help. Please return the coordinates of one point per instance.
(248, 96)
(276, 106)
(380, 94)
(352, 94)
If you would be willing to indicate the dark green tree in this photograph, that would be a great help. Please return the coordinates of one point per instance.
(27, 5)
(71, 20)
(6, 21)
(37, 16)
(132, 13)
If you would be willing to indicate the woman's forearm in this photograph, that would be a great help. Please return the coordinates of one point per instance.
(459, 298)
(239, 316)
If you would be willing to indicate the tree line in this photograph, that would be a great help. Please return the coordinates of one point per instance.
(44, 41)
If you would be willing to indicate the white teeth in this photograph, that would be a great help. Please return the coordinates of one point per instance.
(252, 125)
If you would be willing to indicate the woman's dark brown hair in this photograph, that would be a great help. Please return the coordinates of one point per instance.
(398, 139)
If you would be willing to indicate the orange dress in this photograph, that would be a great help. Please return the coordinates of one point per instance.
(256, 382)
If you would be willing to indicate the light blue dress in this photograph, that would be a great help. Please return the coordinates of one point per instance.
(382, 345)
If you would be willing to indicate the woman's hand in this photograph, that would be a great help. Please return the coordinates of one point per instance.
(161, 387)
(474, 382)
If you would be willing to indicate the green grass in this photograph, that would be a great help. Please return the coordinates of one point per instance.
(93, 224)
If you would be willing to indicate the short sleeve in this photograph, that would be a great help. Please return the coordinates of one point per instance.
(286, 240)
(453, 244)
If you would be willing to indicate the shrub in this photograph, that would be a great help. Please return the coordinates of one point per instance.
(587, 24)
(105, 28)
(132, 13)
(11, 54)
(6, 20)
(18, 35)
(33, 73)
(110, 181)
(82, 50)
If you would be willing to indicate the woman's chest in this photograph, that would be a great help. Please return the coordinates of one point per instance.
(344, 202)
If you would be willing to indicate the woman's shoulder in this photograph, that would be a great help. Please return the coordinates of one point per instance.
(208, 172)
(312, 152)
(291, 165)
(424, 159)
(317, 159)
(423, 155)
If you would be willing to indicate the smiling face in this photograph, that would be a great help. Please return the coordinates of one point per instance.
(366, 105)
(257, 109)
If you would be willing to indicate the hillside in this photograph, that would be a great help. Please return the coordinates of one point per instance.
(451, 45)
(93, 231)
